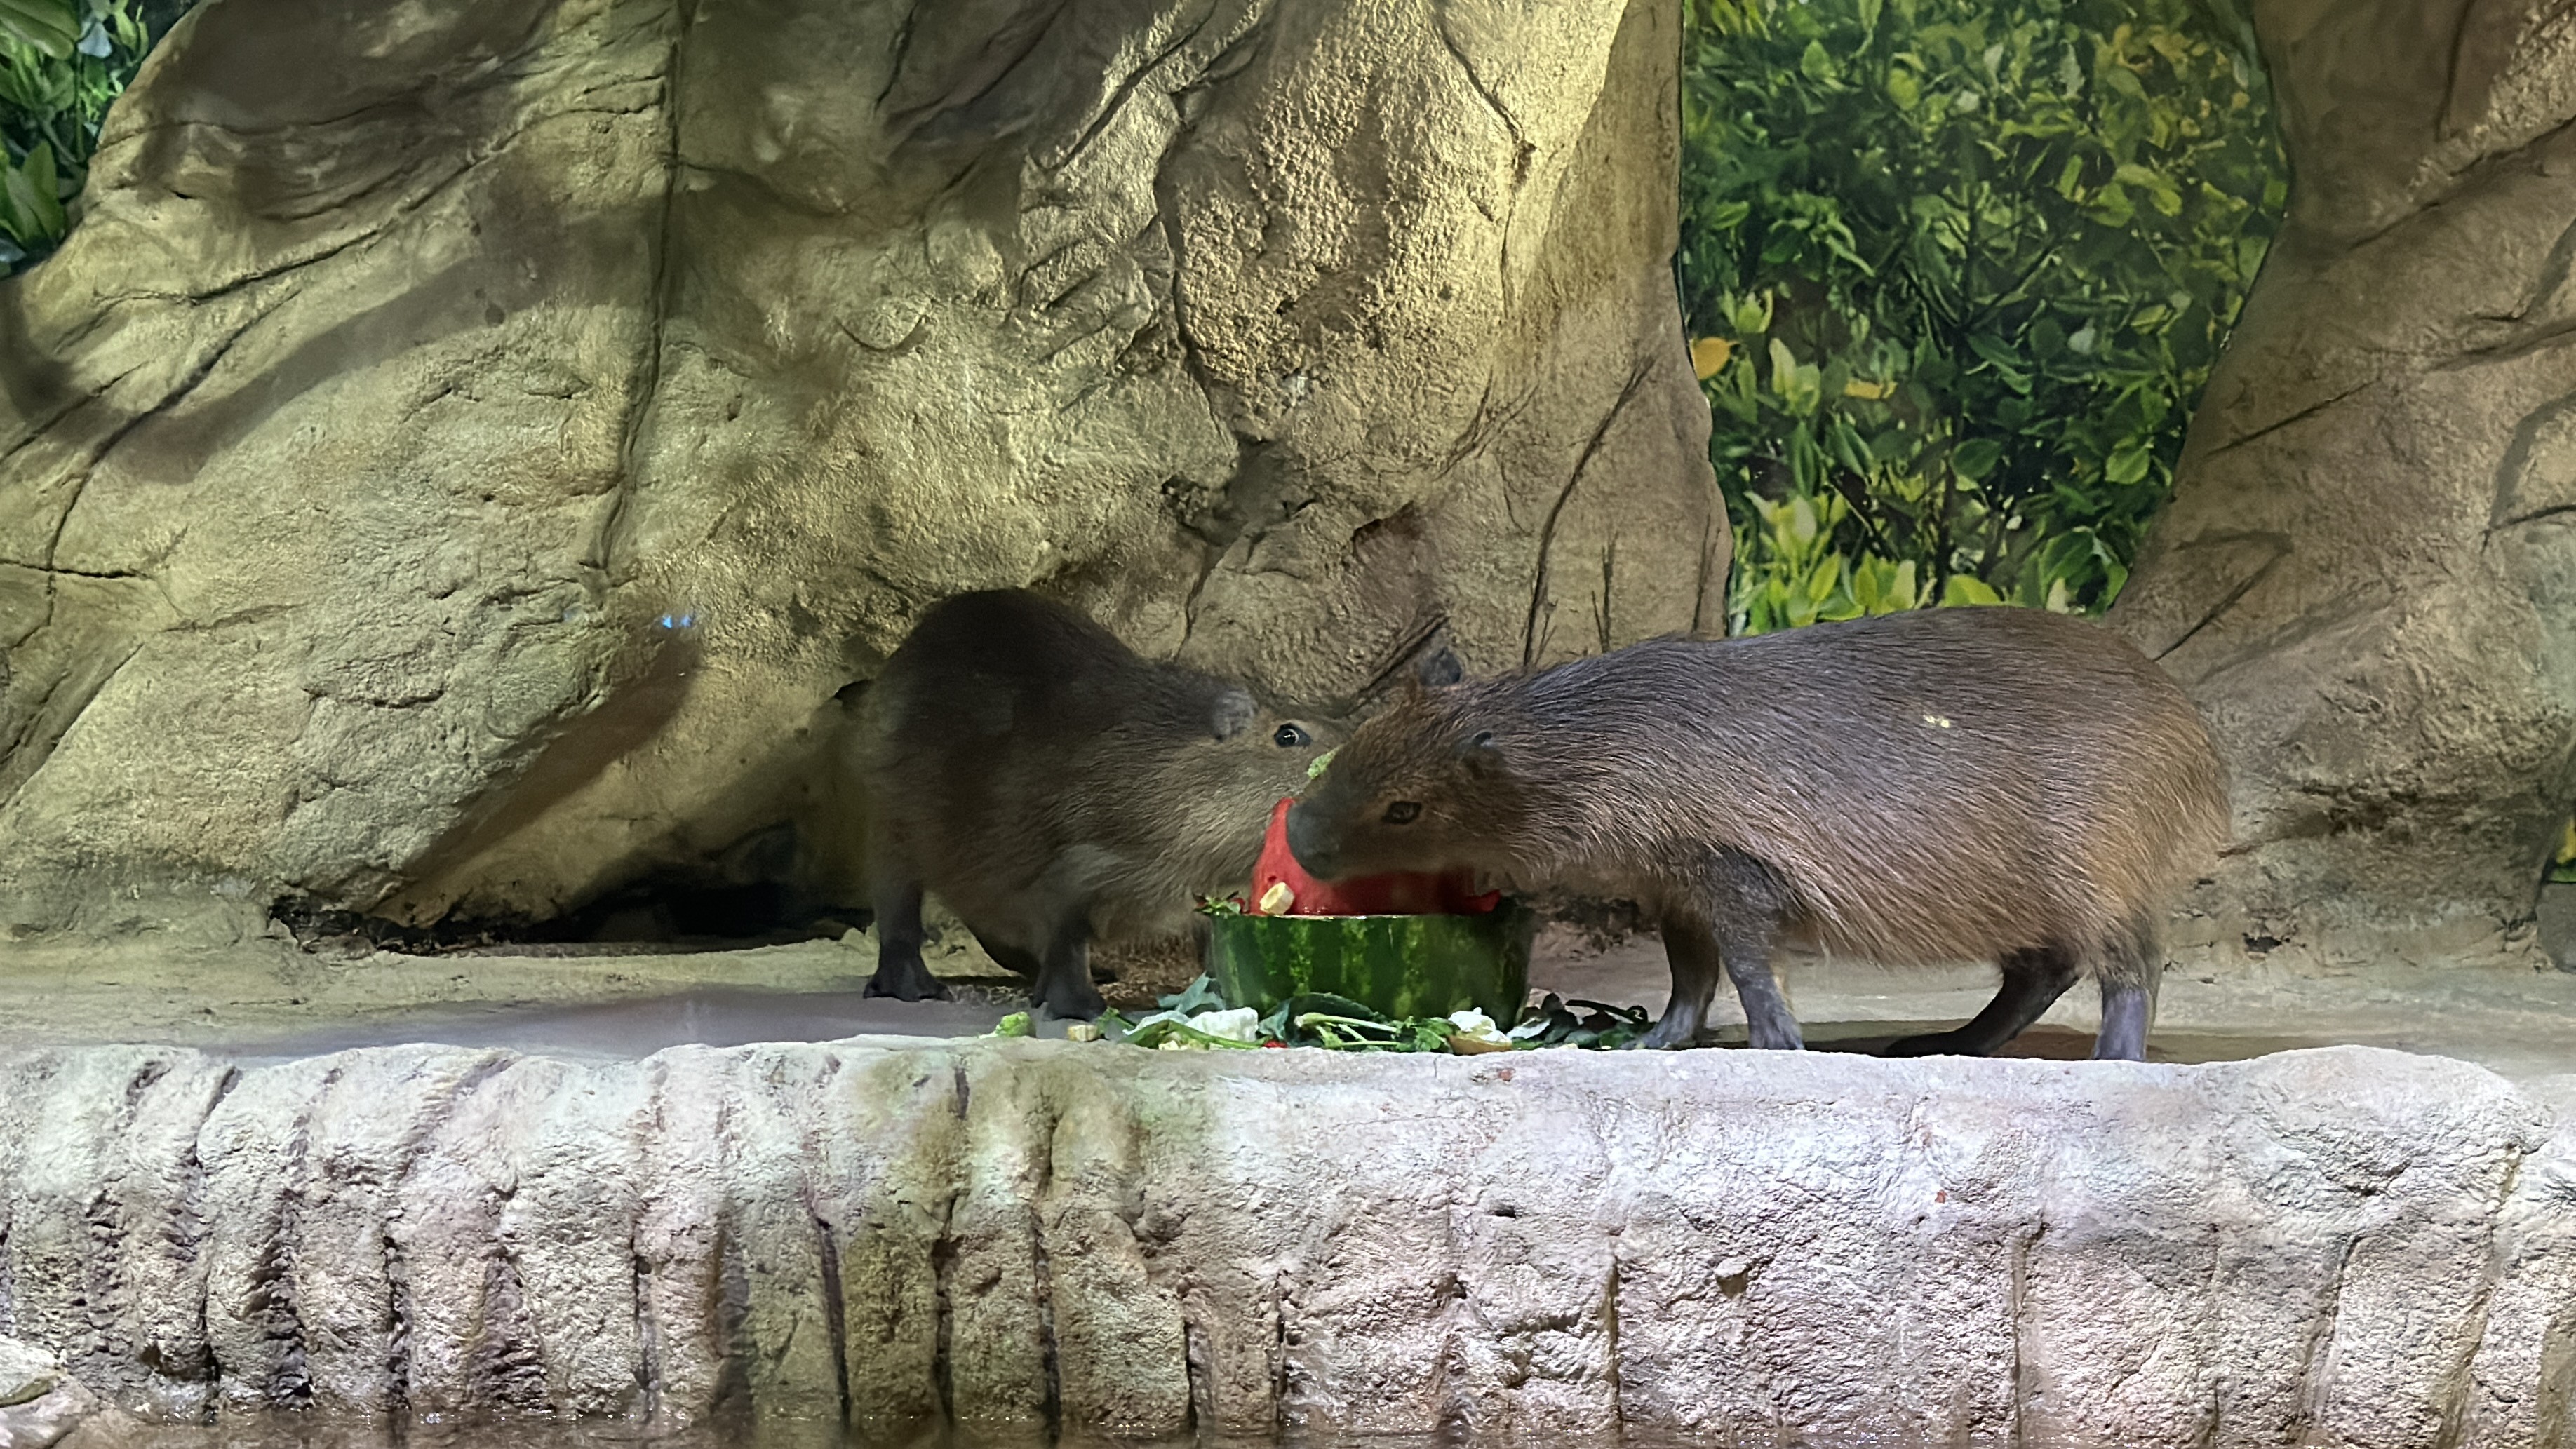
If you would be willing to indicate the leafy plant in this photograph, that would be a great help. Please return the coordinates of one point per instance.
(1957, 271)
(1590, 1024)
(62, 62)
(1337, 1023)
(1341, 1024)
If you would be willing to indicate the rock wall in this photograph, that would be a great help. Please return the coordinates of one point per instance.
(2341, 1246)
(2368, 572)
(457, 470)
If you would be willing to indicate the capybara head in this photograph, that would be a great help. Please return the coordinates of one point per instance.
(1220, 785)
(1426, 785)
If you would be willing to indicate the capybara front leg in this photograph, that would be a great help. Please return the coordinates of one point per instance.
(900, 972)
(1768, 1022)
(1692, 955)
(1064, 989)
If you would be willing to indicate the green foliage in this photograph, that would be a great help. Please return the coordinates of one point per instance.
(1590, 1024)
(1337, 1023)
(1958, 270)
(61, 63)
(2562, 866)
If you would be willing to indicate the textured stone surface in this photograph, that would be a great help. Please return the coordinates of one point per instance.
(2341, 1246)
(2368, 573)
(41, 1404)
(460, 467)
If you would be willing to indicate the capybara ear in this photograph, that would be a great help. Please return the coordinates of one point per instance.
(1233, 714)
(1480, 752)
(1439, 669)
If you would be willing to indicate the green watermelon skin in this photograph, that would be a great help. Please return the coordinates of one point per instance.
(1400, 965)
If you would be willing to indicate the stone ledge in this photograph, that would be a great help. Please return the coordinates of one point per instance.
(2359, 1246)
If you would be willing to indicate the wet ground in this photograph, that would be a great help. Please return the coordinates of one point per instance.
(266, 999)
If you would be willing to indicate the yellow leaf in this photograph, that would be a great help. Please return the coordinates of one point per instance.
(1871, 390)
(1966, 589)
(1709, 356)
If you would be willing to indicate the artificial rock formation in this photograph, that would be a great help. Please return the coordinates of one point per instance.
(2368, 572)
(42, 1403)
(2341, 1246)
(457, 470)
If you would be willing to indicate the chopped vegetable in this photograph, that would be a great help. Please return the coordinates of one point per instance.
(1015, 1024)
(1476, 1033)
(1240, 1023)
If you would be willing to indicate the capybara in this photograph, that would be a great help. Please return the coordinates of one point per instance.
(1053, 787)
(1949, 784)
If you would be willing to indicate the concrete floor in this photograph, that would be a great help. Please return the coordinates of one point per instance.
(263, 998)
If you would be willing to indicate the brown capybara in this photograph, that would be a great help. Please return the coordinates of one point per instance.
(1951, 784)
(1053, 787)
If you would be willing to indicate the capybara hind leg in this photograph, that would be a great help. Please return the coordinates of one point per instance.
(2125, 1012)
(2129, 970)
(1768, 1023)
(2033, 980)
(900, 972)
(1063, 989)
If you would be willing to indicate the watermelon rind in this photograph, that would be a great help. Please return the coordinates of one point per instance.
(1403, 966)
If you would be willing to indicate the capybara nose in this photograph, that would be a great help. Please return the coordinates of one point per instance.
(1308, 843)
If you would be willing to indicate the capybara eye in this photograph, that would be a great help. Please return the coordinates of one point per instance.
(1403, 812)
(1290, 737)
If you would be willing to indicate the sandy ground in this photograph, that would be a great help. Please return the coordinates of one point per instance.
(261, 996)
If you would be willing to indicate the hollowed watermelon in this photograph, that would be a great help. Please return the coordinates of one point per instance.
(1406, 945)
(1400, 965)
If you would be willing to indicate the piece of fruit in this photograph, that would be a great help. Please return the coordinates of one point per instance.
(1453, 894)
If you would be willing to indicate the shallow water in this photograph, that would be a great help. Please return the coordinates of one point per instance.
(314, 1431)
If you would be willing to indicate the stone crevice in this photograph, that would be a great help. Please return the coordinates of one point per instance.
(1522, 152)
(2317, 1355)
(2461, 1385)
(827, 1250)
(2275, 425)
(596, 554)
(1532, 631)
(1125, 87)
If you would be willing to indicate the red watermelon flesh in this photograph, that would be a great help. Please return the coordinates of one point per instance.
(1453, 894)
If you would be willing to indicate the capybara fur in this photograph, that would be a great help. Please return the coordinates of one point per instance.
(1052, 787)
(1951, 784)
